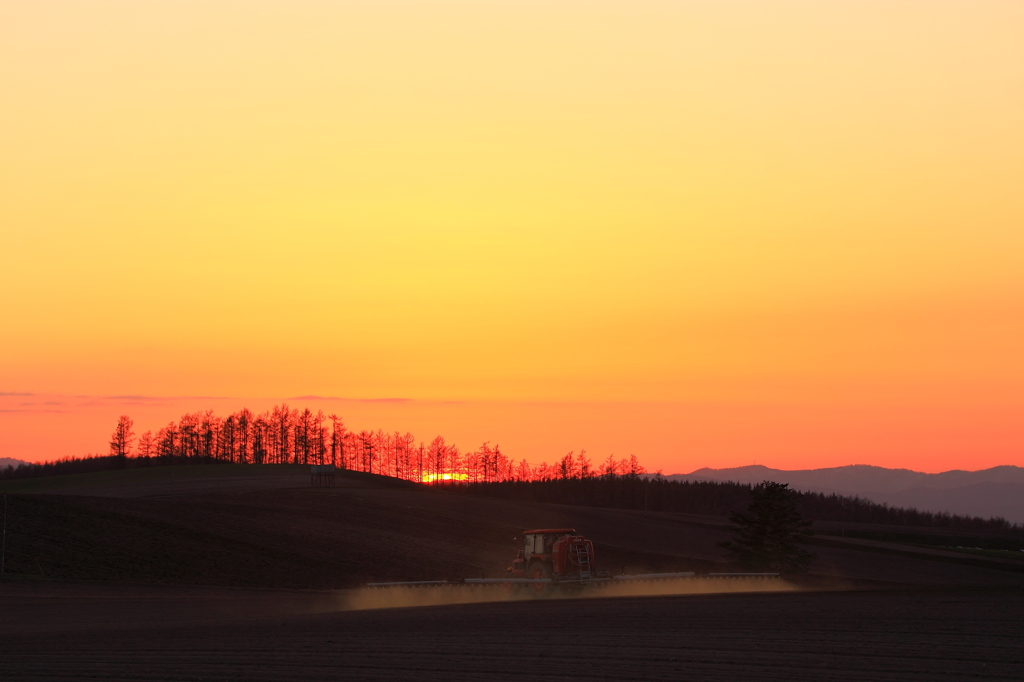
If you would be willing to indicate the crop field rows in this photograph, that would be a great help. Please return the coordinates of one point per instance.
(794, 636)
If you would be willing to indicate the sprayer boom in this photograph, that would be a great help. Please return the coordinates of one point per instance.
(558, 557)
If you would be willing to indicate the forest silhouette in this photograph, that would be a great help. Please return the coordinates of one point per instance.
(285, 435)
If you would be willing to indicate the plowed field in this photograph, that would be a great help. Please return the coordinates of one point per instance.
(209, 634)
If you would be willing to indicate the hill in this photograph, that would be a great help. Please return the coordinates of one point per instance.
(244, 526)
(998, 491)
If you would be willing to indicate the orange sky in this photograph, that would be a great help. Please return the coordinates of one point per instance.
(707, 233)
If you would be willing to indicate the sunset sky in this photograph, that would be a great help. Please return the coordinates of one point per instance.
(708, 233)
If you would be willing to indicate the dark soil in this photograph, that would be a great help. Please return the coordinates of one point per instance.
(216, 634)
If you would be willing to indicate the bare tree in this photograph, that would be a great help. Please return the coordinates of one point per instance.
(282, 420)
(422, 452)
(583, 466)
(409, 448)
(567, 466)
(226, 439)
(244, 421)
(366, 450)
(209, 428)
(259, 439)
(167, 442)
(321, 436)
(122, 438)
(337, 439)
(438, 459)
(147, 446)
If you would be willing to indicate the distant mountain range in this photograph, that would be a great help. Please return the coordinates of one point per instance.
(998, 491)
(8, 462)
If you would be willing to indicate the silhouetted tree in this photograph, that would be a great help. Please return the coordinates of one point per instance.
(567, 466)
(767, 535)
(147, 446)
(260, 427)
(166, 442)
(367, 451)
(337, 439)
(121, 439)
(245, 426)
(584, 467)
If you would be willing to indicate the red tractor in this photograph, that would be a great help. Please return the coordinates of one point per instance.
(554, 555)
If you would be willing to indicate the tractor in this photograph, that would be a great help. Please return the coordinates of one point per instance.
(558, 559)
(555, 555)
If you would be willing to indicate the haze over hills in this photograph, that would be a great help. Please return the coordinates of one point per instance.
(998, 491)
(10, 462)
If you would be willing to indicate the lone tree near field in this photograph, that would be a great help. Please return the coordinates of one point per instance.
(767, 535)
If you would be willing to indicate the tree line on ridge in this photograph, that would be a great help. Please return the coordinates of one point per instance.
(285, 435)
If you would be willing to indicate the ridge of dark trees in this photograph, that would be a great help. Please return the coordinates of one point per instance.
(69, 465)
(291, 436)
(713, 498)
(285, 435)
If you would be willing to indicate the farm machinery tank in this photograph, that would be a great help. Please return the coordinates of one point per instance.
(557, 555)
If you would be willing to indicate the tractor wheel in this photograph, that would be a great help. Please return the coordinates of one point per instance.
(540, 571)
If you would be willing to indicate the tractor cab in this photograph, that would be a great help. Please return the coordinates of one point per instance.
(541, 543)
(535, 558)
(554, 553)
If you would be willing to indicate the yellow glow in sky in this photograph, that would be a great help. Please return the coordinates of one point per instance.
(567, 201)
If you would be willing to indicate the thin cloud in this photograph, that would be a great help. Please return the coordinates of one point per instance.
(139, 398)
(17, 395)
(352, 400)
(155, 399)
(32, 411)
